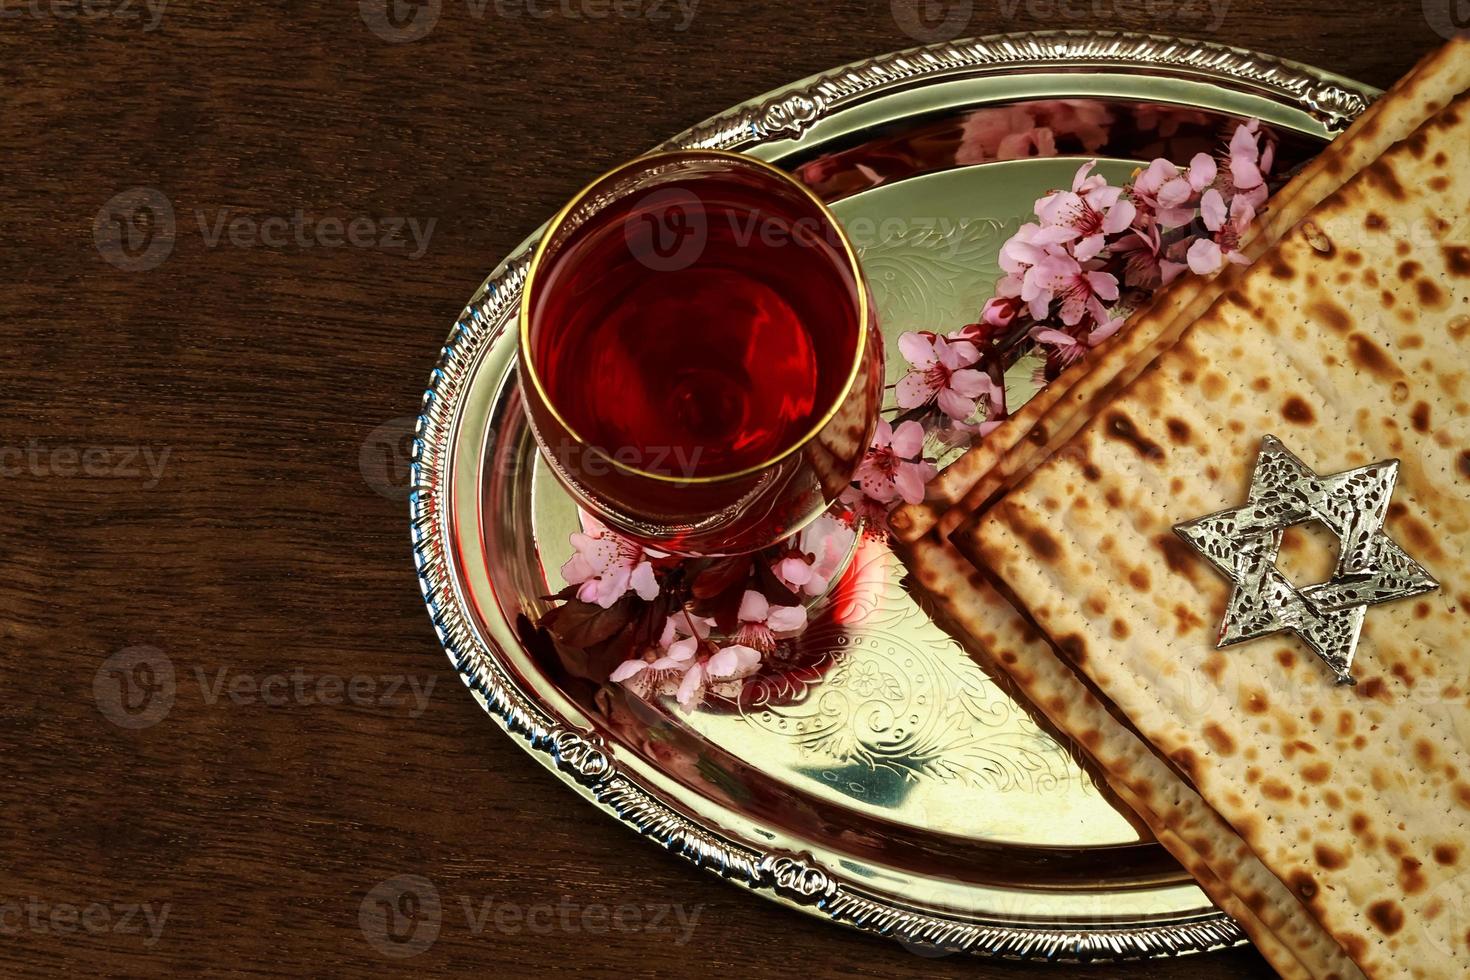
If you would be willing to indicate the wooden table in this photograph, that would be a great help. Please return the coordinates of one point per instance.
(203, 455)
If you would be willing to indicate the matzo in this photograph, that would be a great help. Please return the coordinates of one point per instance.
(1351, 342)
(1204, 844)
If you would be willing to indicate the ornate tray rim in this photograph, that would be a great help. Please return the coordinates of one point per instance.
(580, 759)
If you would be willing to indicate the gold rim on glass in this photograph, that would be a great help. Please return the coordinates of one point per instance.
(650, 160)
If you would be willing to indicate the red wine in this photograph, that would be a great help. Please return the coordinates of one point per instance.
(699, 329)
(691, 364)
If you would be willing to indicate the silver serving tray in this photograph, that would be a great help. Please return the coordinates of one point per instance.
(890, 782)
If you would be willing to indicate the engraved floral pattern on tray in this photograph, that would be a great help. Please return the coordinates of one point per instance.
(886, 691)
(917, 267)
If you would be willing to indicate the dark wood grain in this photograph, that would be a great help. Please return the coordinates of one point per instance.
(270, 379)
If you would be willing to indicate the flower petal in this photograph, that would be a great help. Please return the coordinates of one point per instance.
(795, 572)
(1175, 192)
(1212, 209)
(1154, 176)
(754, 607)
(1175, 217)
(577, 570)
(1245, 156)
(612, 585)
(972, 383)
(1080, 177)
(734, 662)
(1244, 173)
(627, 669)
(956, 405)
(723, 664)
(1057, 338)
(1088, 247)
(1039, 306)
(1242, 212)
(957, 353)
(913, 390)
(918, 350)
(691, 689)
(1204, 257)
(876, 485)
(786, 619)
(1103, 285)
(1119, 217)
(909, 482)
(1202, 171)
(643, 582)
(908, 440)
(1104, 331)
(1104, 197)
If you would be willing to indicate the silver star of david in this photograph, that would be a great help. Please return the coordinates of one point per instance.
(1243, 544)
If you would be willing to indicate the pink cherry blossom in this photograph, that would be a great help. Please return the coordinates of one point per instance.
(1146, 186)
(1179, 195)
(1071, 348)
(1245, 163)
(892, 467)
(940, 371)
(1145, 262)
(865, 511)
(1091, 210)
(649, 675)
(822, 549)
(1207, 255)
(1028, 246)
(1003, 133)
(1000, 311)
(722, 670)
(1013, 132)
(1166, 195)
(606, 566)
(682, 625)
(661, 669)
(988, 426)
(1080, 289)
(1090, 121)
(1038, 141)
(1195, 179)
(761, 623)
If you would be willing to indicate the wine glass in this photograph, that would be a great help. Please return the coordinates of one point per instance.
(698, 354)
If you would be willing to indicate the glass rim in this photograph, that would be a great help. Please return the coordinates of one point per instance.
(652, 159)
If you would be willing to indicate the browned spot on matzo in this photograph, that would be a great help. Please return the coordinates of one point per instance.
(1369, 356)
(1387, 916)
(1331, 314)
(1298, 411)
